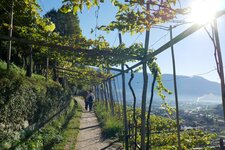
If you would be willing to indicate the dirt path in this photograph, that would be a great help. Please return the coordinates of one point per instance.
(89, 137)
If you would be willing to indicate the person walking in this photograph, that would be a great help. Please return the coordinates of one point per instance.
(90, 98)
(85, 94)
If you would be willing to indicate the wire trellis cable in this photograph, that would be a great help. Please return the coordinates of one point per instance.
(137, 38)
(115, 40)
(159, 39)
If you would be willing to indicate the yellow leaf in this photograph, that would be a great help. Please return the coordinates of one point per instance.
(65, 9)
(50, 28)
(75, 9)
(124, 7)
(142, 30)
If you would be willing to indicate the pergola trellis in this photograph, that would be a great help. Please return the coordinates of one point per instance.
(148, 56)
(169, 44)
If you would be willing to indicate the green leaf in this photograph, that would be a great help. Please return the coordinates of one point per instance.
(49, 28)
(88, 4)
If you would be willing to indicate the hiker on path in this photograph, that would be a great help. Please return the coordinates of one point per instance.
(85, 94)
(90, 98)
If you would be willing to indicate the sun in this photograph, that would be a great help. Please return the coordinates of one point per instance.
(204, 11)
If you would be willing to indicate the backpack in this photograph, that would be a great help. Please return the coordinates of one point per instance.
(90, 99)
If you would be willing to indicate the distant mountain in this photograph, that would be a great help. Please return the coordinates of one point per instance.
(196, 86)
(188, 87)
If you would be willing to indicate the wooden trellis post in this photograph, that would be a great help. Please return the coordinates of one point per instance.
(99, 92)
(124, 102)
(96, 92)
(105, 95)
(110, 92)
(102, 93)
(111, 96)
(219, 63)
(134, 126)
(144, 92)
(175, 91)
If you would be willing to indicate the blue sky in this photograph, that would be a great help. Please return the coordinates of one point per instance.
(194, 55)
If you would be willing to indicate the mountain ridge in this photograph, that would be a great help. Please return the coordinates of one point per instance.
(187, 86)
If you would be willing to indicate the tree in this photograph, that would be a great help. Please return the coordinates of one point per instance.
(66, 23)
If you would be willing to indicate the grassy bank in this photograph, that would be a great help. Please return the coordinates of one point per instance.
(70, 131)
(112, 126)
(34, 114)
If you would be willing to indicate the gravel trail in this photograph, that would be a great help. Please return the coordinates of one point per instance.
(89, 137)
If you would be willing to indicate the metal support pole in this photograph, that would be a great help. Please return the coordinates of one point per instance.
(175, 90)
(10, 36)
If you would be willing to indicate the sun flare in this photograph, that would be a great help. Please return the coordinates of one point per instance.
(203, 11)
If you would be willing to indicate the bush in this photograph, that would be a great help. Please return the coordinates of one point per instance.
(26, 103)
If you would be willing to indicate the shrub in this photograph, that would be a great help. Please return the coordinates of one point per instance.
(26, 103)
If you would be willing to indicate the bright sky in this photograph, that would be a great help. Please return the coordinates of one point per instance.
(194, 55)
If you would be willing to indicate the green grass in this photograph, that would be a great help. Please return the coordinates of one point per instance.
(58, 135)
(70, 132)
(112, 126)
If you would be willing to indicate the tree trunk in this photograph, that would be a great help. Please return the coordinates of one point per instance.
(29, 67)
(10, 36)
(47, 65)
(55, 76)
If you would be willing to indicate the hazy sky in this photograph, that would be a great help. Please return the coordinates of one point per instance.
(194, 55)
